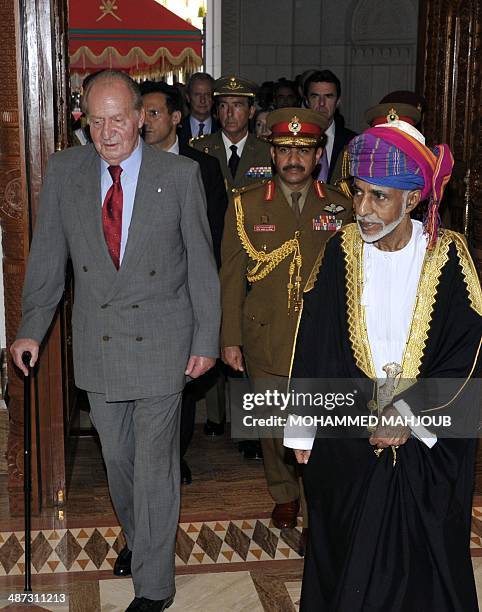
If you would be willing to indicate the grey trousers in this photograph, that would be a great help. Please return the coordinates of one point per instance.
(140, 446)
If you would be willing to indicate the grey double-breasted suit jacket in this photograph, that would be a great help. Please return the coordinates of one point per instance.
(133, 328)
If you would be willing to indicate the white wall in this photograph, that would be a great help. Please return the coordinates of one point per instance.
(212, 58)
(369, 44)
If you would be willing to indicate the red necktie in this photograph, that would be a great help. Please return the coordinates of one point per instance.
(112, 215)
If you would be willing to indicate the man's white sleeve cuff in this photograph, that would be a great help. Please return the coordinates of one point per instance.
(298, 443)
(298, 437)
(419, 431)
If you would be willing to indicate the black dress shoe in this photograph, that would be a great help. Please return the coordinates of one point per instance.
(186, 476)
(142, 604)
(122, 565)
(251, 449)
(213, 429)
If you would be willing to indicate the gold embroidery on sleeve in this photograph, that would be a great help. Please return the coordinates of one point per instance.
(432, 267)
(468, 270)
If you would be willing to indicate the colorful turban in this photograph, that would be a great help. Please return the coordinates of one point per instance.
(395, 155)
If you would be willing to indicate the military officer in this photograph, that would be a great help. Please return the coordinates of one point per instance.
(244, 158)
(274, 234)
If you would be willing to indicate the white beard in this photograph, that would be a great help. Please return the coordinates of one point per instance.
(385, 229)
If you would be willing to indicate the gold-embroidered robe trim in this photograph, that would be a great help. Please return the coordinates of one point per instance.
(310, 283)
(469, 272)
(352, 245)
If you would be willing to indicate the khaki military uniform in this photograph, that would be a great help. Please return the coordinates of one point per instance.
(263, 320)
(254, 165)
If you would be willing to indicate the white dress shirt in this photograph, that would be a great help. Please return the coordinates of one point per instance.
(228, 143)
(175, 147)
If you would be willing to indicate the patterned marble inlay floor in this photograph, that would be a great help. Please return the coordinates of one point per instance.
(198, 544)
(203, 543)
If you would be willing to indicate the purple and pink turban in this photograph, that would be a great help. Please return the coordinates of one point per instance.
(397, 157)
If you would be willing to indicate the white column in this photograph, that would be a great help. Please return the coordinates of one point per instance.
(213, 38)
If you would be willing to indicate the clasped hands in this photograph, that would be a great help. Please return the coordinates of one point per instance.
(387, 435)
(383, 437)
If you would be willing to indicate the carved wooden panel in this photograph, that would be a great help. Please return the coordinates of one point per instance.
(450, 63)
(450, 75)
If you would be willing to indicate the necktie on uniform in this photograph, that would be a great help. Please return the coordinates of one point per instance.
(112, 215)
(324, 167)
(233, 160)
(295, 203)
(201, 129)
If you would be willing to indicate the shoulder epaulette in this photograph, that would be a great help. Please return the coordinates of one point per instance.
(195, 139)
(269, 191)
(246, 188)
(319, 189)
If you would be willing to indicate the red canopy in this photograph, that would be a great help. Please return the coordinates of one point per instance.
(141, 37)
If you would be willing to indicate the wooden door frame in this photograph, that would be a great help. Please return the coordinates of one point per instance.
(449, 67)
(449, 73)
(33, 117)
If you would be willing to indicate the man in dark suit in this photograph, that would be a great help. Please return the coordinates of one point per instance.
(146, 312)
(162, 106)
(322, 91)
(200, 121)
(244, 159)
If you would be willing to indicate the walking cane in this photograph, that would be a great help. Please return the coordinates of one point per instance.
(27, 470)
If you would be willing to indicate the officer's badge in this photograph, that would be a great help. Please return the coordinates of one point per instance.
(294, 125)
(233, 84)
(334, 208)
(392, 115)
(327, 223)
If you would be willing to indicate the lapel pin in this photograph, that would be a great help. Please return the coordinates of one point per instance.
(159, 189)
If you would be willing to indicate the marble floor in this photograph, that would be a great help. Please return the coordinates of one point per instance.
(229, 556)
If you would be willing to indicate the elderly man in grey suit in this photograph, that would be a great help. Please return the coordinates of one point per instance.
(146, 311)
